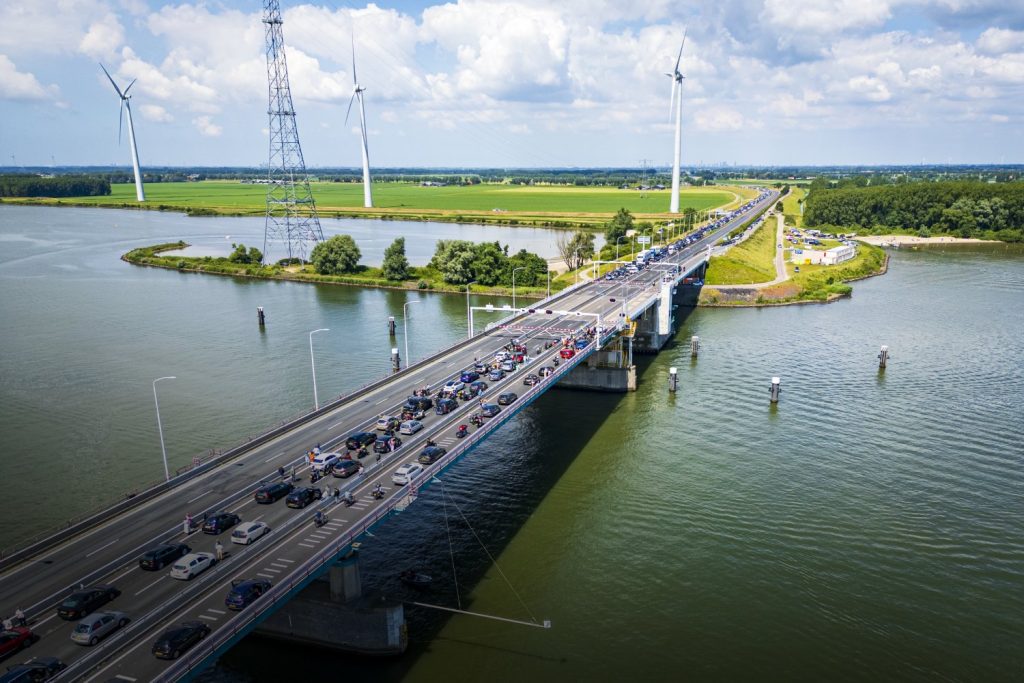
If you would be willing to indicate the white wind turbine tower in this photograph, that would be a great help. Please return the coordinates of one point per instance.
(125, 104)
(357, 92)
(677, 101)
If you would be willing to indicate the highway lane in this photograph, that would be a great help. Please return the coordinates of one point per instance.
(109, 552)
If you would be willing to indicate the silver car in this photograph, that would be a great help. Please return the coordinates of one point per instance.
(410, 427)
(97, 626)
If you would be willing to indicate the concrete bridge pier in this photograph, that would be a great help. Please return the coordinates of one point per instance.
(610, 369)
(333, 613)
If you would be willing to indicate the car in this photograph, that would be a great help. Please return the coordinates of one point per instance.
(95, 627)
(387, 423)
(83, 602)
(410, 427)
(407, 473)
(531, 379)
(247, 532)
(469, 376)
(507, 398)
(34, 670)
(191, 565)
(155, 558)
(496, 374)
(360, 439)
(567, 353)
(508, 366)
(445, 406)
(478, 386)
(269, 493)
(480, 366)
(244, 592)
(490, 409)
(411, 414)
(546, 371)
(386, 445)
(468, 392)
(343, 469)
(17, 638)
(300, 498)
(432, 454)
(325, 461)
(220, 522)
(175, 641)
(581, 343)
(453, 386)
(502, 356)
(419, 403)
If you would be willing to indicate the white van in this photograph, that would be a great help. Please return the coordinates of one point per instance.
(247, 532)
(407, 473)
(324, 461)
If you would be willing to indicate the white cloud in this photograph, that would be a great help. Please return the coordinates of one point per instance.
(826, 16)
(154, 112)
(718, 118)
(103, 38)
(999, 40)
(19, 85)
(207, 127)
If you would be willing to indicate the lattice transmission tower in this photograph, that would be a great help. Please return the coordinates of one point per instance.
(291, 211)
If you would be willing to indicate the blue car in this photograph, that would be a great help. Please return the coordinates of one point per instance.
(244, 592)
(469, 376)
(490, 409)
(496, 374)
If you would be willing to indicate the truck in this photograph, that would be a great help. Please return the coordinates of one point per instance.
(641, 257)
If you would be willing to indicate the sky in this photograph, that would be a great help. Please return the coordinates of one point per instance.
(520, 83)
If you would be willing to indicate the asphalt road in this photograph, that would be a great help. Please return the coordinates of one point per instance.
(108, 553)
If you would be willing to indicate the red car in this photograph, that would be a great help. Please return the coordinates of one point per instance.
(17, 638)
(567, 353)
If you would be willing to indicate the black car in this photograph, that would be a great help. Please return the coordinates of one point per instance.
(245, 591)
(220, 522)
(478, 386)
(269, 493)
(507, 398)
(489, 409)
(37, 669)
(345, 468)
(419, 403)
(85, 601)
(431, 454)
(300, 498)
(360, 439)
(175, 641)
(445, 406)
(386, 445)
(546, 370)
(162, 555)
(531, 379)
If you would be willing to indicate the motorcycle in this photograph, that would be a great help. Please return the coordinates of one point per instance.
(320, 519)
(463, 430)
(348, 500)
(315, 476)
(476, 421)
(378, 493)
(362, 452)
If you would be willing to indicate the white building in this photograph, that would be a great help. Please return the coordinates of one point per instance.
(817, 257)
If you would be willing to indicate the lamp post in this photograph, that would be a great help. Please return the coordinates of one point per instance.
(577, 254)
(405, 327)
(316, 400)
(514, 284)
(617, 246)
(549, 283)
(160, 428)
(469, 320)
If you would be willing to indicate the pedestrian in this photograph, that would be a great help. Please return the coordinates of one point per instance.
(219, 549)
(19, 617)
(316, 451)
(361, 471)
(8, 624)
(188, 524)
(337, 493)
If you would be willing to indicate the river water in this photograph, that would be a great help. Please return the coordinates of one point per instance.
(869, 526)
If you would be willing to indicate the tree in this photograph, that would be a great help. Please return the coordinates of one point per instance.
(488, 263)
(241, 255)
(575, 250)
(534, 270)
(618, 226)
(335, 256)
(395, 265)
(454, 260)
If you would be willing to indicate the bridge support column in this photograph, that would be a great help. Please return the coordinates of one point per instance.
(346, 584)
(606, 370)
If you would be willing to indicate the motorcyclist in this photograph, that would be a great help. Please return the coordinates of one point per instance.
(319, 518)
(348, 498)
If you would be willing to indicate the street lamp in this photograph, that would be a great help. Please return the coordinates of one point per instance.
(160, 428)
(316, 401)
(469, 320)
(405, 327)
(549, 282)
(577, 254)
(617, 246)
(514, 284)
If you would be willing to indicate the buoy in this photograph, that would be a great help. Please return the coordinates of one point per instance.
(396, 361)
(694, 346)
(262, 317)
(391, 326)
(883, 356)
(673, 380)
(775, 389)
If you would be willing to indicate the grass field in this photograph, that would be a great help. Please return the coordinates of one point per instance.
(474, 203)
(791, 206)
(749, 262)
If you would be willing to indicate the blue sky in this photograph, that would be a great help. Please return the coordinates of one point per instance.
(522, 83)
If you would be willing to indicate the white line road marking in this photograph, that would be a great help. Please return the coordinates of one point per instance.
(265, 576)
(272, 571)
(198, 497)
(216, 611)
(307, 545)
(122, 677)
(336, 424)
(282, 559)
(279, 565)
(208, 618)
(143, 590)
(102, 547)
(124, 573)
(43, 621)
(380, 401)
(313, 540)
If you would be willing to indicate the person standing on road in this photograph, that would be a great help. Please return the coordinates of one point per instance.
(188, 524)
(19, 618)
(219, 549)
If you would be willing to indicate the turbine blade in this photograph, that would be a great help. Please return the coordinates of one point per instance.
(129, 87)
(354, 80)
(681, 46)
(120, 94)
(353, 99)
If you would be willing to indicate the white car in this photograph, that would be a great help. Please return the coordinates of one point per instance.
(191, 565)
(410, 427)
(407, 473)
(453, 386)
(247, 532)
(325, 461)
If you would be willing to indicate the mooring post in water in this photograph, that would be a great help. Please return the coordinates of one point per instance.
(673, 380)
(883, 357)
(396, 361)
(694, 346)
(261, 315)
(391, 326)
(775, 389)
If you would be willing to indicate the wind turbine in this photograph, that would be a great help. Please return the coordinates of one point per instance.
(357, 92)
(677, 101)
(126, 104)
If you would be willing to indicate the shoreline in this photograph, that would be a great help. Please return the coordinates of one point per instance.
(914, 240)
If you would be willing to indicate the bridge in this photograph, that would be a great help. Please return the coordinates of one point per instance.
(614, 318)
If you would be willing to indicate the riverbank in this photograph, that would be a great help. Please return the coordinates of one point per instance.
(914, 240)
(423, 278)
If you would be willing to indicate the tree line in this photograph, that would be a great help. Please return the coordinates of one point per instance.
(59, 186)
(956, 208)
